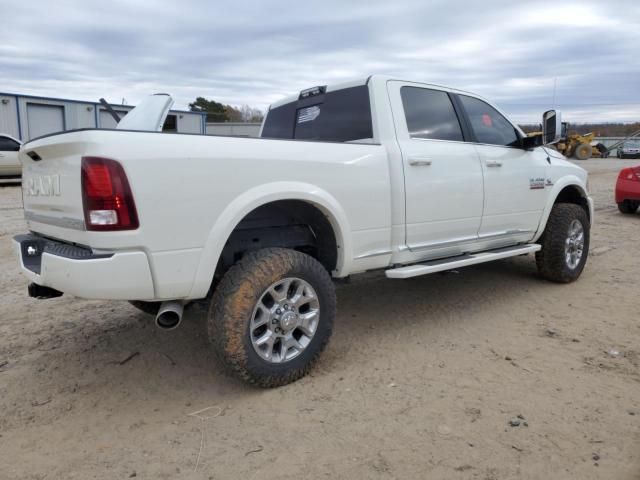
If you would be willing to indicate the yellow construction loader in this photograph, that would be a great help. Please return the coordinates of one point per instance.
(578, 146)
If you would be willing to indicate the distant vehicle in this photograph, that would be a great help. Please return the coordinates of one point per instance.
(629, 150)
(628, 189)
(10, 166)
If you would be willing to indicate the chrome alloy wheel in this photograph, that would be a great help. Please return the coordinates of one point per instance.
(284, 320)
(574, 244)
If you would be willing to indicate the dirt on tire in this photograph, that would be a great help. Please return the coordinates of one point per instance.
(233, 303)
(551, 259)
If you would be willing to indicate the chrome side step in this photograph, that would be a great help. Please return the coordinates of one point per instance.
(460, 261)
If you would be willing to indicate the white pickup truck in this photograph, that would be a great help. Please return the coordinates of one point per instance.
(374, 174)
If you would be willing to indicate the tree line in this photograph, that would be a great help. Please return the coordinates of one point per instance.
(600, 129)
(218, 112)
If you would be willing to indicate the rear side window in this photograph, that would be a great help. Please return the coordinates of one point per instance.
(339, 116)
(488, 124)
(430, 114)
(8, 145)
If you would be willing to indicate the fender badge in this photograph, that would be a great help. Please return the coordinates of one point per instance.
(536, 183)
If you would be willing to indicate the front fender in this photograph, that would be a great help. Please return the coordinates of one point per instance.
(261, 195)
(559, 185)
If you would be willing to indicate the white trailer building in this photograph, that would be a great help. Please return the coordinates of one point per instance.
(26, 117)
(234, 129)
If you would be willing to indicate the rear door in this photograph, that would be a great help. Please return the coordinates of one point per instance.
(515, 180)
(443, 175)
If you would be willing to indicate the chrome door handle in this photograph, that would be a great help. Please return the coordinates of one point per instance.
(1, 154)
(419, 161)
(494, 163)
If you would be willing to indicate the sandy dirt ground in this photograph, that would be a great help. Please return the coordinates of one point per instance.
(420, 380)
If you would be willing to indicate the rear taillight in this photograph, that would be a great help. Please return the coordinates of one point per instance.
(106, 196)
(632, 173)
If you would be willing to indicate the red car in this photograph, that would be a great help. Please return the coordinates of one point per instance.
(628, 190)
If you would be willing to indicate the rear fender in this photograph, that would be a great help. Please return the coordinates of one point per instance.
(261, 195)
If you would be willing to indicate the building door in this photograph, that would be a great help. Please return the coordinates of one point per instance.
(107, 121)
(44, 119)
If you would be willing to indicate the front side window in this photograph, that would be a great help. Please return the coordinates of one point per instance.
(8, 145)
(430, 114)
(488, 124)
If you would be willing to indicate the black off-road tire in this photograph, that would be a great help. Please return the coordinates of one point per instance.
(550, 260)
(150, 308)
(628, 206)
(583, 151)
(232, 307)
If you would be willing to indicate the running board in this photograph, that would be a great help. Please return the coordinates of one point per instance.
(460, 261)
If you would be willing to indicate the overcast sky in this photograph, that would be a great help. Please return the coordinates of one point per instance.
(254, 52)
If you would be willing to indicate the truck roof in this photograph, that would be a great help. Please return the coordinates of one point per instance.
(376, 78)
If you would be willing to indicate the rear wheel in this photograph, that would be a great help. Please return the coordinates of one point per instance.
(628, 206)
(271, 316)
(583, 151)
(565, 243)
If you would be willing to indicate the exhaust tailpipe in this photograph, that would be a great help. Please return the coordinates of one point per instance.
(169, 315)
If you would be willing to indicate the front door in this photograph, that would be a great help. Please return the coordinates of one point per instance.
(443, 174)
(515, 180)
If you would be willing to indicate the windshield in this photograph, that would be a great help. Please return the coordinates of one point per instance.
(339, 116)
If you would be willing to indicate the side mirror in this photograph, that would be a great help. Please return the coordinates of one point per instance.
(551, 127)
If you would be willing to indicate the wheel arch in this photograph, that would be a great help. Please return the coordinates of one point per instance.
(567, 190)
(261, 196)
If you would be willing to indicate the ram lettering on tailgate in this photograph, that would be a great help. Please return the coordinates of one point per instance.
(43, 185)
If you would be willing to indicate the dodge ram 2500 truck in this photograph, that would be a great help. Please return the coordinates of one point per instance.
(381, 173)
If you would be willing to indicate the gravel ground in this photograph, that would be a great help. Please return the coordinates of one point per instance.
(488, 373)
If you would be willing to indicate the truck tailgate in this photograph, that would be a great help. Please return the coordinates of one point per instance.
(51, 185)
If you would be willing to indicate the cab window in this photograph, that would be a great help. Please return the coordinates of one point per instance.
(488, 124)
(430, 114)
(338, 116)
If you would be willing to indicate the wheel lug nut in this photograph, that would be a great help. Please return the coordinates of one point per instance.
(278, 311)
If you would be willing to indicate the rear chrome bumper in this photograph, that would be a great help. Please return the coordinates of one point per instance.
(82, 272)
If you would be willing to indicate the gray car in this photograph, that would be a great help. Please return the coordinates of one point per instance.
(629, 150)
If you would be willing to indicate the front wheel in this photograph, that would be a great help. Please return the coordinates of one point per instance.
(565, 243)
(583, 151)
(271, 316)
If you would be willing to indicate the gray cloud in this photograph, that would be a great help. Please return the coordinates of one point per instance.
(256, 52)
